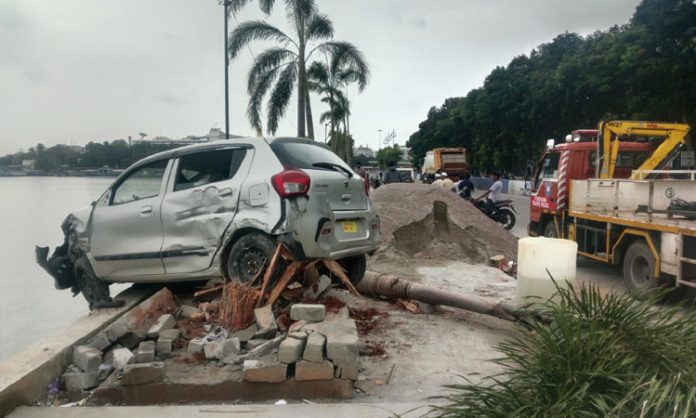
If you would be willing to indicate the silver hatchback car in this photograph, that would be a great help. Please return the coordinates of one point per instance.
(216, 209)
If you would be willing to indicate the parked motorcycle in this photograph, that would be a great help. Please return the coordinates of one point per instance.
(503, 212)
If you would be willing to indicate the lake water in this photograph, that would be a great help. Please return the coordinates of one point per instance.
(31, 211)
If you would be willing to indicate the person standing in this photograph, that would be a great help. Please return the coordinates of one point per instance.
(361, 171)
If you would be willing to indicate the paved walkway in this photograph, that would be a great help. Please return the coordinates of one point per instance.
(346, 410)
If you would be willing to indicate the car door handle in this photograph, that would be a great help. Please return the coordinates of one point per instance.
(145, 210)
(225, 192)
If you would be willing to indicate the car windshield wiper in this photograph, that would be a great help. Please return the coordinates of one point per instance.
(335, 167)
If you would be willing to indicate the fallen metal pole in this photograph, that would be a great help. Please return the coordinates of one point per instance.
(391, 287)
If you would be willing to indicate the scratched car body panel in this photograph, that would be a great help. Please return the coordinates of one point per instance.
(175, 215)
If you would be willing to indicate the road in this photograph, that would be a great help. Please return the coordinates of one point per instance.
(608, 278)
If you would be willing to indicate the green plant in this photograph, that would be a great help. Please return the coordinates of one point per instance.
(601, 356)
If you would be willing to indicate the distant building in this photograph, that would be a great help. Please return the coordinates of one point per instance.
(29, 164)
(405, 154)
(364, 151)
(213, 135)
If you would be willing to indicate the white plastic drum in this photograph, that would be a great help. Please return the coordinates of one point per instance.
(536, 255)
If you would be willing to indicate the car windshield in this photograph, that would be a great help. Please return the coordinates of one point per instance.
(307, 156)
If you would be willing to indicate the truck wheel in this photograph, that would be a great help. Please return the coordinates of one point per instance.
(355, 267)
(638, 268)
(95, 290)
(550, 229)
(249, 257)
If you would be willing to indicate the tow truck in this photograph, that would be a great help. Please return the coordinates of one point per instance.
(617, 191)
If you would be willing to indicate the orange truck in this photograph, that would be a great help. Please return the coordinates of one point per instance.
(445, 160)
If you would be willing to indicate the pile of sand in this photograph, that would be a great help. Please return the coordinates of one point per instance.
(424, 221)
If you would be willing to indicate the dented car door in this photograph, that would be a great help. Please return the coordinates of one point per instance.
(125, 229)
(201, 201)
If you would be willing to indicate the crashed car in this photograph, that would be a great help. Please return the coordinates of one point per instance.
(216, 210)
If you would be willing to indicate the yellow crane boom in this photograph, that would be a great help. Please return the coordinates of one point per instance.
(612, 132)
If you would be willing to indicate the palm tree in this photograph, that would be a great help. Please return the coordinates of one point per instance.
(344, 65)
(284, 65)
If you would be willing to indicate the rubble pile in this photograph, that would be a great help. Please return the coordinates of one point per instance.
(423, 221)
(305, 342)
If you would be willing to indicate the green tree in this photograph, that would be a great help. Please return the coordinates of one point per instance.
(344, 65)
(388, 155)
(284, 65)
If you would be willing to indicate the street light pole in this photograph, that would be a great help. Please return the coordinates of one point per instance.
(227, 80)
(379, 144)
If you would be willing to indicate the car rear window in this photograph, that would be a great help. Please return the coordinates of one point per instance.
(304, 155)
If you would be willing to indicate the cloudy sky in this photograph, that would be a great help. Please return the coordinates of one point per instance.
(72, 71)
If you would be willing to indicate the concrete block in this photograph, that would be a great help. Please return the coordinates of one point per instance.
(252, 344)
(314, 349)
(195, 346)
(170, 334)
(343, 349)
(164, 322)
(165, 346)
(309, 370)
(265, 318)
(347, 371)
(213, 349)
(257, 371)
(145, 353)
(266, 348)
(313, 292)
(87, 358)
(116, 330)
(100, 341)
(300, 335)
(140, 374)
(186, 311)
(231, 346)
(121, 357)
(265, 334)
(290, 350)
(76, 379)
(308, 312)
(245, 334)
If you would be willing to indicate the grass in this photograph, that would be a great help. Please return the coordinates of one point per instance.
(600, 356)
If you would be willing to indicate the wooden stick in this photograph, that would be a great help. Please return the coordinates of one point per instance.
(269, 271)
(295, 266)
(338, 271)
(206, 291)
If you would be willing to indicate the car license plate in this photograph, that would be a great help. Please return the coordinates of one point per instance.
(350, 227)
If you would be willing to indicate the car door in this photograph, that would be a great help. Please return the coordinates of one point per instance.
(126, 229)
(200, 203)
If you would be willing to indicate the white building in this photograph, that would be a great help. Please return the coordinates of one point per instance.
(364, 151)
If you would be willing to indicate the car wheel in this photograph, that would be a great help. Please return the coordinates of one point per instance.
(249, 257)
(638, 268)
(95, 290)
(355, 267)
(506, 218)
(550, 229)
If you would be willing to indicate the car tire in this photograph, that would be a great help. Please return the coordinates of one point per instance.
(249, 257)
(95, 290)
(550, 229)
(638, 268)
(355, 267)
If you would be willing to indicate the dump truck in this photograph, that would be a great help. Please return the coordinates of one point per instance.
(445, 160)
(614, 191)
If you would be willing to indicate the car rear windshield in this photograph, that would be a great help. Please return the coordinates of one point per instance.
(304, 155)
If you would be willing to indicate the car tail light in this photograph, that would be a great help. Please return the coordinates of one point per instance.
(367, 186)
(291, 183)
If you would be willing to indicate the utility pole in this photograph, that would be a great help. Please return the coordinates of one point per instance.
(227, 65)
(379, 144)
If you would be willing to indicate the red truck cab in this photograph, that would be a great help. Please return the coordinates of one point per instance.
(574, 160)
